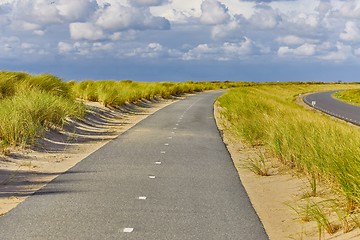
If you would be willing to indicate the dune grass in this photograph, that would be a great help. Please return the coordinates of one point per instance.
(31, 104)
(322, 148)
(351, 96)
(117, 93)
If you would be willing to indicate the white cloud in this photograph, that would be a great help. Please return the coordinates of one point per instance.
(36, 11)
(13, 47)
(86, 31)
(185, 11)
(303, 20)
(39, 32)
(351, 32)
(75, 10)
(199, 51)
(225, 30)
(118, 17)
(25, 45)
(325, 46)
(350, 9)
(223, 52)
(9, 43)
(324, 7)
(357, 52)
(293, 40)
(303, 50)
(100, 46)
(214, 12)
(39, 15)
(238, 49)
(82, 48)
(265, 18)
(341, 53)
(179, 11)
(154, 50)
(115, 36)
(174, 15)
(64, 47)
(209, 30)
(147, 2)
(26, 26)
(290, 40)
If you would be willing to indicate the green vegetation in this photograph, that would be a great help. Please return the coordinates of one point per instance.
(323, 148)
(257, 165)
(31, 104)
(351, 96)
(318, 212)
(116, 93)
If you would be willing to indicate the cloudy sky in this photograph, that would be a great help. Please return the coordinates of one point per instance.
(176, 40)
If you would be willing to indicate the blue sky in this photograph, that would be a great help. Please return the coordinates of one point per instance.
(178, 40)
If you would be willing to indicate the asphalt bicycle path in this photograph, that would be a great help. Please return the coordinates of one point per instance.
(324, 102)
(169, 177)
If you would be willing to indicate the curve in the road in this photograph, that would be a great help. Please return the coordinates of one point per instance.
(324, 102)
(169, 177)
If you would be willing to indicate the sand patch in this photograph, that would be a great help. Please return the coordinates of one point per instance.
(22, 172)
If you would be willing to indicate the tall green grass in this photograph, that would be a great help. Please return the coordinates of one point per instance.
(321, 147)
(13, 82)
(31, 104)
(116, 93)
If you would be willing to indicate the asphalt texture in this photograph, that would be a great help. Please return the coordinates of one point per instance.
(324, 102)
(169, 177)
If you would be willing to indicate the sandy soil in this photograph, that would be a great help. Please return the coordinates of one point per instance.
(275, 197)
(22, 172)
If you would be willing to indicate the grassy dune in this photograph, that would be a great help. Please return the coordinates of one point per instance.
(351, 96)
(30, 104)
(115, 93)
(323, 148)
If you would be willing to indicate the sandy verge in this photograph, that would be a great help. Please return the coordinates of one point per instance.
(275, 196)
(22, 172)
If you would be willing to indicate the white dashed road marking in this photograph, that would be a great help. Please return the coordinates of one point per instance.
(128, 230)
(152, 177)
(142, 198)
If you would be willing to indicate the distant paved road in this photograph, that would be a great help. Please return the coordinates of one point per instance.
(323, 101)
(169, 177)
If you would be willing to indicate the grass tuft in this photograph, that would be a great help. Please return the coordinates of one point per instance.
(31, 104)
(257, 165)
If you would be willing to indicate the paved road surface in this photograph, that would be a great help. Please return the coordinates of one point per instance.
(169, 177)
(323, 101)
